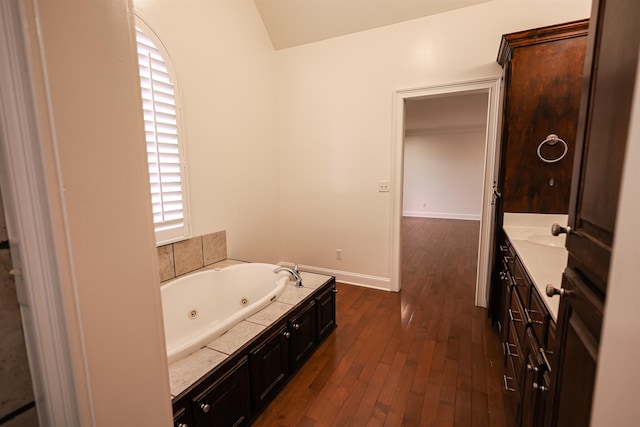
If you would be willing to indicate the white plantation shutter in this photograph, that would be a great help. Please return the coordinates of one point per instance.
(163, 147)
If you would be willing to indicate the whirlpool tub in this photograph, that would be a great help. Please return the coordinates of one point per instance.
(200, 307)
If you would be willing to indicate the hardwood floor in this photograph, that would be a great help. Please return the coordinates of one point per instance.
(423, 357)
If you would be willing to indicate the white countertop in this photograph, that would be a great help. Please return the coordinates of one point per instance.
(543, 255)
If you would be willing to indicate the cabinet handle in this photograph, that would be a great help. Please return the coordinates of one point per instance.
(506, 385)
(205, 407)
(286, 334)
(335, 291)
(541, 388)
(557, 230)
(513, 319)
(296, 326)
(183, 425)
(529, 319)
(508, 350)
(544, 357)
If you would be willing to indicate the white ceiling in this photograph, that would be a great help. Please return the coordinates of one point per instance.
(295, 22)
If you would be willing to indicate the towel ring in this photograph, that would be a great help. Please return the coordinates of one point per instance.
(552, 139)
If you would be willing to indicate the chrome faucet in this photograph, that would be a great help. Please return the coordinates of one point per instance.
(294, 273)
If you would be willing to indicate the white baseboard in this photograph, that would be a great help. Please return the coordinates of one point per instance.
(350, 278)
(417, 214)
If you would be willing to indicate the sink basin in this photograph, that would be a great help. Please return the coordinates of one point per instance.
(548, 240)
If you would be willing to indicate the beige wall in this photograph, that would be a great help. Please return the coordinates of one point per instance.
(285, 148)
(443, 175)
(334, 115)
(89, 51)
(225, 66)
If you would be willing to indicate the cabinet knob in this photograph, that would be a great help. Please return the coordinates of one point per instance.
(286, 334)
(296, 326)
(539, 387)
(532, 368)
(557, 229)
(205, 407)
(551, 291)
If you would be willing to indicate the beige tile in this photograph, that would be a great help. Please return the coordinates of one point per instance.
(293, 295)
(270, 313)
(236, 337)
(188, 255)
(313, 280)
(166, 262)
(186, 371)
(215, 247)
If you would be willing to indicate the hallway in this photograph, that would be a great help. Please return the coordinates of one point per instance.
(424, 356)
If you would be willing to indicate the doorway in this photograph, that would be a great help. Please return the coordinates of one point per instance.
(488, 90)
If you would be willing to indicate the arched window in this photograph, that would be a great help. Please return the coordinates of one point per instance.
(162, 130)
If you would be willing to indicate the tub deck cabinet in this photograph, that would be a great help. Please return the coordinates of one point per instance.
(236, 391)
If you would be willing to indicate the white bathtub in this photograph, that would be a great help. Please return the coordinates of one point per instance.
(200, 307)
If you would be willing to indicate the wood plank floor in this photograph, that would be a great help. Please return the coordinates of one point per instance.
(423, 357)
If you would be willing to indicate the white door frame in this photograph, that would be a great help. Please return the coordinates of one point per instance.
(491, 86)
(41, 258)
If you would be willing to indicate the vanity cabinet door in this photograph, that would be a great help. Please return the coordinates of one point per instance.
(579, 324)
(534, 388)
(303, 334)
(227, 402)
(326, 307)
(269, 365)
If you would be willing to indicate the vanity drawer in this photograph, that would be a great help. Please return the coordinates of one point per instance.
(538, 316)
(522, 281)
(516, 314)
(550, 344)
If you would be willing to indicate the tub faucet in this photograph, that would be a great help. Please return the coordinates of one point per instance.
(294, 273)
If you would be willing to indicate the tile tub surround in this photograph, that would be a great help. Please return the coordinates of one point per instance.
(185, 372)
(186, 256)
(544, 264)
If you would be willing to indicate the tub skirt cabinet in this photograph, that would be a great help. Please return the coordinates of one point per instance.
(235, 392)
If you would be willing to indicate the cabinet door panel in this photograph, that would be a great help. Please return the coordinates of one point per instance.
(610, 71)
(269, 367)
(326, 306)
(303, 334)
(543, 82)
(579, 323)
(227, 403)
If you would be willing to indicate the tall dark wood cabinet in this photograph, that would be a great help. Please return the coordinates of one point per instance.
(609, 77)
(542, 86)
(542, 83)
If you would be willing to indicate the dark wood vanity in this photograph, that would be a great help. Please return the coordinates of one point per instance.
(236, 391)
(550, 366)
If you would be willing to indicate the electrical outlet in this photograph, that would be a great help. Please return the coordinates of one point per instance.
(383, 186)
(338, 254)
